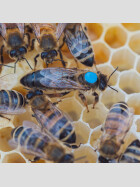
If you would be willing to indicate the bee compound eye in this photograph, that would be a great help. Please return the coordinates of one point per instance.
(29, 95)
(44, 55)
(22, 50)
(13, 53)
(53, 53)
(39, 92)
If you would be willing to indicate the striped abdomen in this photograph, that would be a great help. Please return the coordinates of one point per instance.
(57, 123)
(32, 80)
(11, 102)
(79, 45)
(29, 140)
(117, 121)
(132, 153)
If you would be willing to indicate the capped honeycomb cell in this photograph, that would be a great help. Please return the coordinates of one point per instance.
(88, 152)
(94, 30)
(74, 110)
(96, 116)
(101, 52)
(115, 37)
(129, 82)
(13, 158)
(138, 66)
(82, 132)
(95, 137)
(134, 102)
(132, 26)
(5, 136)
(134, 43)
(111, 97)
(124, 59)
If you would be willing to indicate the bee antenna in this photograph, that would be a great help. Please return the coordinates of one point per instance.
(27, 63)
(79, 158)
(113, 88)
(112, 74)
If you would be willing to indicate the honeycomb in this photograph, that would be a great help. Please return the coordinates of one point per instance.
(114, 45)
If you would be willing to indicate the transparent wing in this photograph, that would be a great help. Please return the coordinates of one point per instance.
(5, 81)
(3, 30)
(60, 29)
(60, 78)
(30, 124)
(21, 28)
(36, 29)
(9, 111)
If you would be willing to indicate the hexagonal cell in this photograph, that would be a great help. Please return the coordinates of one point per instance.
(91, 155)
(107, 70)
(95, 117)
(95, 138)
(115, 37)
(110, 97)
(138, 125)
(130, 82)
(82, 132)
(94, 30)
(74, 110)
(134, 102)
(132, 26)
(124, 59)
(138, 66)
(101, 52)
(13, 158)
(5, 136)
(134, 43)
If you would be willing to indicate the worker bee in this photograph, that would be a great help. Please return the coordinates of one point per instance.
(16, 42)
(51, 118)
(132, 153)
(46, 43)
(78, 42)
(31, 140)
(118, 123)
(11, 103)
(64, 80)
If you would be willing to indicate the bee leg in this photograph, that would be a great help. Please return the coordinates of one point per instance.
(61, 57)
(35, 159)
(96, 98)
(28, 39)
(55, 103)
(32, 45)
(4, 117)
(35, 60)
(83, 98)
(1, 53)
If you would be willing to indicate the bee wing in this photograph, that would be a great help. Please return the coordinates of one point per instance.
(31, 125)
(3, 30)
(76, 38)
(60, 29)
(58, 78)
(21, 28)
(36, 29)
(12, 144)
(5, 110)
(5, 81)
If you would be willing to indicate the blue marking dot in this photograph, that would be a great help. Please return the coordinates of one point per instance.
(91, 77)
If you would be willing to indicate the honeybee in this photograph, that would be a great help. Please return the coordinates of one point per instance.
(78, 42)
(118, 123)
(15, 42)
(64, 80)
(132, 153)
(51, 118)
(31, 140)
(11, 103)
(46, 43)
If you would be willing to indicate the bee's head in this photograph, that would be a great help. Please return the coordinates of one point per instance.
(18, 53)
